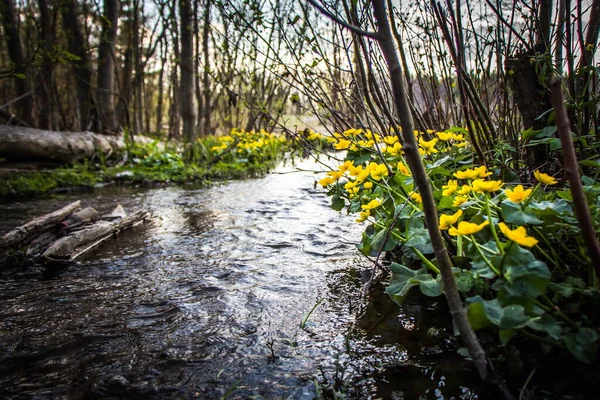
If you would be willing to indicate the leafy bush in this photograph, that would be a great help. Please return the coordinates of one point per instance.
(517, 252)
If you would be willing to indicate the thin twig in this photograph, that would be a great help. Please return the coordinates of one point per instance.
(355, 29)
(582, 211)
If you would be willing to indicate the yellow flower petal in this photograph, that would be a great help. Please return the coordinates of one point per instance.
(544, 178)
(450, 187)
(518, 194)
(481, 186)
(459, 200)
(518, 235)
(467, 228)
(371, 205)
(446, 221)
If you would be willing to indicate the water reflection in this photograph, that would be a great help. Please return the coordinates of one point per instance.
(207, 299)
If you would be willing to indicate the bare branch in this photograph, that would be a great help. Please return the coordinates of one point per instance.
(355, 29)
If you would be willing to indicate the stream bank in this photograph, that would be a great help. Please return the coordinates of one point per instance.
(207, 302)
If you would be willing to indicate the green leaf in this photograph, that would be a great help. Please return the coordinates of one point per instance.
(479, 267)
(476, 316)
(546, 323)
(583, 344)
(506, 335)
(383, 241)
(19, 76)
(400, 283)
(509, 317)
(429, 286)
(464, 281)
(512, 214)
(525, 276)
(403, 279)
(551, 208)
(417, 237)
(445, 202)
(337, 203)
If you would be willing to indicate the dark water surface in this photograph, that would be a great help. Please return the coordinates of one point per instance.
(207, 300)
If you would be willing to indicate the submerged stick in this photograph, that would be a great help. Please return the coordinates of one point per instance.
(25, 233)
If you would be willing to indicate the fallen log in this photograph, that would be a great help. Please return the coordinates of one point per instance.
(77, 242)
(21, 143)
(25, 233)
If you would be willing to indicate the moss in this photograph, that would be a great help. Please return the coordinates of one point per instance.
(148, 163)
(38, 182)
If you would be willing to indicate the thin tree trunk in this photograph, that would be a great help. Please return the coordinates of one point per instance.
(71, 16)
(206, 126)
(45, 97)
(159, 102)
(106, 67)
(455, 304)
(10, 25)
(186, 66)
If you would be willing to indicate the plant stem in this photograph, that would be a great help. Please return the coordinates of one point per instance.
(425, 261)
(489, 215)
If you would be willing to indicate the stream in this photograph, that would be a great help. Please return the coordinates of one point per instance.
(208, 301)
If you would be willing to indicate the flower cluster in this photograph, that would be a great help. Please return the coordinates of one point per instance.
(508, 234)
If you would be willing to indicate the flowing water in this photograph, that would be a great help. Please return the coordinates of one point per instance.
(207, 301)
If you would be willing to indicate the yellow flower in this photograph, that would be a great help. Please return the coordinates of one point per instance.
(459, 137)
(482, 172)
(446, 221)
(355, 171)
(343, 144)
(350, 185)
(544, 178)
(450, 187)
(335, 174)
(366, 143)
(390, 140)
(428, 146)
(518, 194)
(326, 181)
(467, 228)
(518, 235)
(459, 200)
(479, 172)
(481, 186)
(364, 174)
(368, 185)
(379, 172)
(416, 197)
(403, 169)
(461, 144)
(352, 132)
(344, 167)
(466, 174)
(371, 205)
(444, 136)
(395, 149)
(466, 189)
(363, 216)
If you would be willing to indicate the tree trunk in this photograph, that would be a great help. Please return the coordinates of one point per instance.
(186, 66)
(206, 127)
(17, 143)
(71, 16)
(530, 96)
(106, 67)
(46, 78)
(10, 25)
(159, 102)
